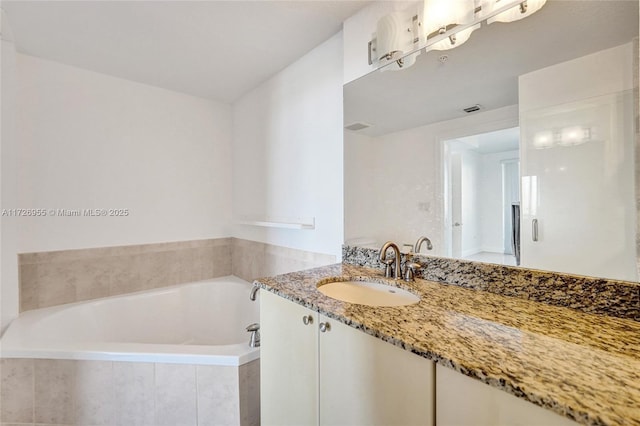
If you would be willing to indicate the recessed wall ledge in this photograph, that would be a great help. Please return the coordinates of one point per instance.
(586, 294)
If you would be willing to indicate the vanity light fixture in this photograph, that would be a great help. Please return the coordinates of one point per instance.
(439, 25)
(576, 135)
(526, 8)
(439, 16)
(543, 140)
(394, 38)
(566, 137)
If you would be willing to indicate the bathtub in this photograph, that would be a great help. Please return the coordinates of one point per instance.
(197, 323)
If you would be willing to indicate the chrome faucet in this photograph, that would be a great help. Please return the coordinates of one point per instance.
(397, 270)
(254, 290)
(254, 339)
(418, 246)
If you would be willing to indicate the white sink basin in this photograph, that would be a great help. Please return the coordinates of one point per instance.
(368, 293)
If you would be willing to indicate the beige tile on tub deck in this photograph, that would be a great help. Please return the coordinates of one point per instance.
(56, 283)
(250, 393)
(175, 395)
(159, 269)
(248, 259)
(189, 268)
(53, 400)
(125, 274)
(93, 278)
(16, 390)
(135, 393)
(219, 259)
(28, 287)
(218, 397)
(94, 393)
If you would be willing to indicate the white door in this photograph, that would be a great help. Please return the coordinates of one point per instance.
(456, 205)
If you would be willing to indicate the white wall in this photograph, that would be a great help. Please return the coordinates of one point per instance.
(84, 140)
(359, 190)
(400, 178)
(471, 202)
(287, 153)
(8, 172)
(88, 140)
(490, 206)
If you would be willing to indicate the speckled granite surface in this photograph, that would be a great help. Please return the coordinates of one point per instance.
(583, 366)
(592, 295)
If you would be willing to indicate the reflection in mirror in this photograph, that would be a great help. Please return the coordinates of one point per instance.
(481, 184)
(403, 169)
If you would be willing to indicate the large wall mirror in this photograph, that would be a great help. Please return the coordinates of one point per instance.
(529, 177)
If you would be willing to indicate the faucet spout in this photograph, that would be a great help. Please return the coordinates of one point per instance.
(397, 270)
(254, 290)
(416, 248)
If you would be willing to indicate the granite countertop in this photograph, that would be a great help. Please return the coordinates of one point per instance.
(582, 366)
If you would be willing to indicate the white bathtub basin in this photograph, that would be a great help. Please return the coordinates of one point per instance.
(202, 322)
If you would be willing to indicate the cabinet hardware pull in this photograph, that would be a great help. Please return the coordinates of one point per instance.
(534, 229)
(324, 326)
(307, 319)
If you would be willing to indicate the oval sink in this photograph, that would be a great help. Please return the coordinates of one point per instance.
(368, 293)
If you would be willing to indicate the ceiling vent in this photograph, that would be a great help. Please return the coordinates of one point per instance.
(473, 108)
(357, 126)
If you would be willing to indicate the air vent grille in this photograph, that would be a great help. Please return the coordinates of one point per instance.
(473, 108)
(357, 126)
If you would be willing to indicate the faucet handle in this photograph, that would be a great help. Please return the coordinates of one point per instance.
(254, 329)
(410, 271)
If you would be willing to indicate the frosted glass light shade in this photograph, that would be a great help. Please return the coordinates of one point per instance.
(543, 139)
(391, 36)
(455, 40)
(516, 12)
(440, 15)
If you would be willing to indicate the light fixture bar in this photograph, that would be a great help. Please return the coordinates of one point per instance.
(450, 31)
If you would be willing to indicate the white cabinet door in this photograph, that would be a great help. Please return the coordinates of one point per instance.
(289, 363)
(365, 381)
(463, 401)
(338, 377)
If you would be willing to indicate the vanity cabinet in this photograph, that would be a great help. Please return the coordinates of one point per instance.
(463, 401)
(337, 376)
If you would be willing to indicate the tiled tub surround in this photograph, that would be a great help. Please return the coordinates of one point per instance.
(58, 277)
(591, 295)
(89, 392)
(580, 365)
(251, 259)
(66, 392)
(186, 344)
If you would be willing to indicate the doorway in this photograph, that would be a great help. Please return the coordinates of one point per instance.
(481, 183)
